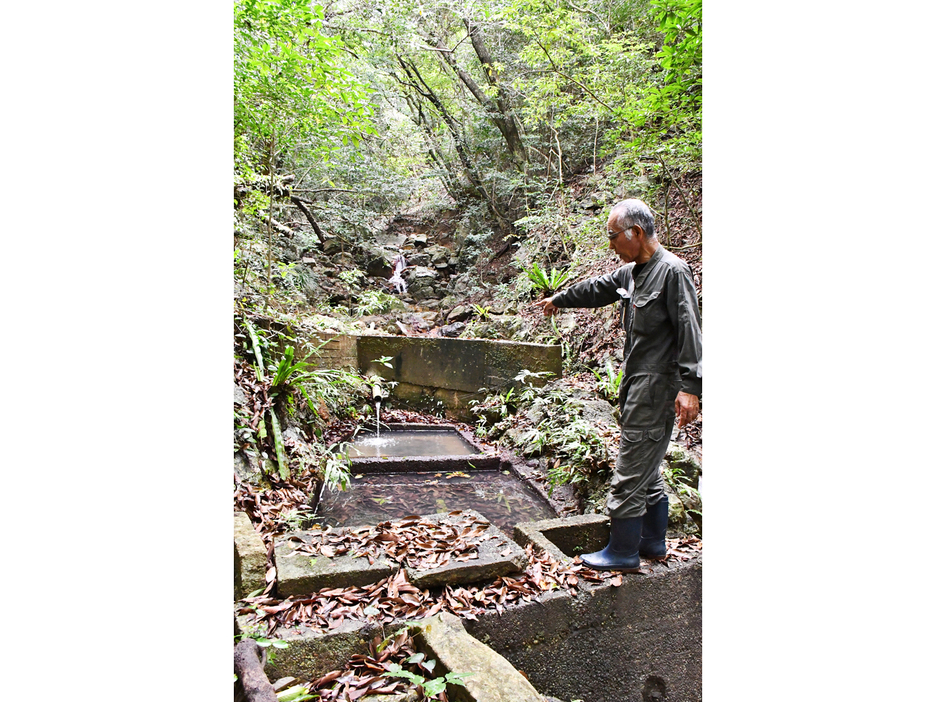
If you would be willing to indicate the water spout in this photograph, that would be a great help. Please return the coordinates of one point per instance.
(378, 394)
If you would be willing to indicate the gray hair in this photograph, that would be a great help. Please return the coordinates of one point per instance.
(630, 212)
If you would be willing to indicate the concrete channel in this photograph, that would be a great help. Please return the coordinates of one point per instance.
(637, 638)
(639, 641)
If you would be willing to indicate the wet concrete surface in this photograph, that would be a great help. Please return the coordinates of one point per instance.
(424, 442)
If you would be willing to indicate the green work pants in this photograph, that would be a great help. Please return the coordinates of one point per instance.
(648, 415)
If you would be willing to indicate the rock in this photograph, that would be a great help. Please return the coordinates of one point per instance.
(460, 285)
(239, 397)
(417, 274)
(452, 330)
(249, 557)
(247, 465)
(332, 245)
(683, 462)
(677, 510)
(418, 259)
(601, 198)
(376, 261)
(505, 326)
(565, 323)
(459, 314)
(294, 433)
(462, 230)
(344, 259)
(422, 320)
(437, 253)
(301, 574)
(390, 239)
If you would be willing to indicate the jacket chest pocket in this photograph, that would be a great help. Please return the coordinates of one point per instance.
(649, 312)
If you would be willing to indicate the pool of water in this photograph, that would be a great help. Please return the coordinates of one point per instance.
(412, 443)
(375, 497)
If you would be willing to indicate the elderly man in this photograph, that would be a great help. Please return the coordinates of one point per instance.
(662, 377)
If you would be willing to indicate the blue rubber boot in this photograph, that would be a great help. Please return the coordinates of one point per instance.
(621, 551)
(653, 536)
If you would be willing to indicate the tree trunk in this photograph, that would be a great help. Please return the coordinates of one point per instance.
(308, 214)
(458, 139)
(252, 684)
(508, 126)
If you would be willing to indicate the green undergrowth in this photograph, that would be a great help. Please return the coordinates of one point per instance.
(561, 423)
(281, 426)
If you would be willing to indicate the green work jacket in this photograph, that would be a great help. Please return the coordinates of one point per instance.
(663, 329)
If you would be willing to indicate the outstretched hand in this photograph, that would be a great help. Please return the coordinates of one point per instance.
(549, 309)
(687, 408)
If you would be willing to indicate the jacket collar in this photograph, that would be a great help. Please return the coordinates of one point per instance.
(651, 264)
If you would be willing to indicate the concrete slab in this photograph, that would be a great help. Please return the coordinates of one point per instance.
(298, 573)
(492, 678)
(249, 557)
(566, 537)
(498, 555)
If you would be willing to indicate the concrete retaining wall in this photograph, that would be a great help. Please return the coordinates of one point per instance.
(638, 642)
(609, 644)
(450, 371)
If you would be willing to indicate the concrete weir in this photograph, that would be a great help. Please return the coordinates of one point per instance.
(450, 371)
(639, 641)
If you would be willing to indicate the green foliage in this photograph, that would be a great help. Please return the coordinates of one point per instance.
(296, 693)
(289, 82)
(550, 422)
(609, 384)
(338, 469)
(676, 478)
(288, 372)
(385, 361)
(481, 311)
(548, 284)
(375, 302)
(432, 687)
(681, 53)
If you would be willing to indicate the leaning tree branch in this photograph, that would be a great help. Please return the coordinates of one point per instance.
(308, 214)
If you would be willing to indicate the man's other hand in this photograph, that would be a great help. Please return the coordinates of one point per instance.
(687, 408)
(549, 309)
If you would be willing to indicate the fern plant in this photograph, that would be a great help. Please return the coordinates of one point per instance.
(548, 283)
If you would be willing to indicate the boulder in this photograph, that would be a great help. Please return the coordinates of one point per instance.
(418, 259)
(459, 314)
(452, 330)
(418, 274)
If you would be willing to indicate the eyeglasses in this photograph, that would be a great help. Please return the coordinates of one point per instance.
(612, 235)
